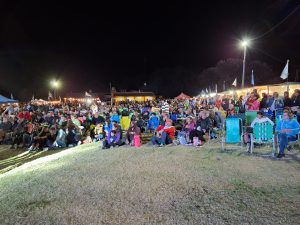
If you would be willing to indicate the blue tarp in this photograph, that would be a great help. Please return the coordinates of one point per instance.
(4, 100)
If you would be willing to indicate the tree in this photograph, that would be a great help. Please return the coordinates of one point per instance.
(229, 69)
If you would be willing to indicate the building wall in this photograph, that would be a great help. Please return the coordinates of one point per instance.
(133, 98)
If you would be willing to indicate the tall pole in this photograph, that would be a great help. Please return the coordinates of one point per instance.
(111, 97)
(244, 63)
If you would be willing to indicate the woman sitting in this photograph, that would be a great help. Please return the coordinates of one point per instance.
(132, 131)
(287, 129)
(184, 134)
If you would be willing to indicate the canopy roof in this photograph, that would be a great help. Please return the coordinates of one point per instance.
(4, 100)
(182, 96)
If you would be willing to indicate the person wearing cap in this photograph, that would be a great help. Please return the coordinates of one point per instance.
(164, 134)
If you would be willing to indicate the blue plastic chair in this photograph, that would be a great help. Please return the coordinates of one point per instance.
(233, 132)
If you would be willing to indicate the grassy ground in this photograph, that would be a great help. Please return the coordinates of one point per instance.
(171, 185)
(12, 158)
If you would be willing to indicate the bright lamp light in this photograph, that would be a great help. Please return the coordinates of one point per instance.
(55, 83)
(244, 43)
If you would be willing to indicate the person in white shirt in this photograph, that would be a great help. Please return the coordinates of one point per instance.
(261, 119)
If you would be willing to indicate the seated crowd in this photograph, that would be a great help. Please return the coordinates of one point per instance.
(187, 122)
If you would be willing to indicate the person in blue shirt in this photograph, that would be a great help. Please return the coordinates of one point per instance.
(115, 117)
(153, 123)
(287, 129)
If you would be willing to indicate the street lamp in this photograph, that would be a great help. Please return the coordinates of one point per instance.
(244, 43)
(55, 85)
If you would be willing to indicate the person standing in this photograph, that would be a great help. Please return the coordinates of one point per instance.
(287, 102)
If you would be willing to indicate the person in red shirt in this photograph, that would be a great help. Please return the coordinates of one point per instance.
(164, 134)
(25, 115)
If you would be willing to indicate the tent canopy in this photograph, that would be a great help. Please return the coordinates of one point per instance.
(182, 96)
(4, 100)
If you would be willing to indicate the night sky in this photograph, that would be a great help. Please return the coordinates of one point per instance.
(87, 45)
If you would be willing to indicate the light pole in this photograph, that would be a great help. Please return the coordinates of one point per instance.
(55, 84)
(244, 44)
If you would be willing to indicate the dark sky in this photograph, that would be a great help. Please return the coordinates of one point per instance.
(88, 45)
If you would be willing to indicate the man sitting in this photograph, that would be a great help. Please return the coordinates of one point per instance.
(164, 134)
(288, 128)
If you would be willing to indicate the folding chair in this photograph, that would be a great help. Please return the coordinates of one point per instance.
(250, 116)
(262, 134)
(233, 132)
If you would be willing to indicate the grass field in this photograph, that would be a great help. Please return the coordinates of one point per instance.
(170, 185)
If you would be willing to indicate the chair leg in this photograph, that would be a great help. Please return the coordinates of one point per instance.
(251, 143)
(223, 143)
(274, 146)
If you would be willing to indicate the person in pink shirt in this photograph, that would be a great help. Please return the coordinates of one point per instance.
(254, 105)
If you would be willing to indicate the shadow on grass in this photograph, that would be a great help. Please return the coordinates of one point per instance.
(259, 152)
(14, 158)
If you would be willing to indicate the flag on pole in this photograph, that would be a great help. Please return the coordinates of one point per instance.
(87, 94)
(59, 98)
(216, 88)
(252, 79)
(234, 82)
(32, 97)
(11, 96)
(209, 89)
(50, 95)
(285, 72)
(224, 85)
(206, 90)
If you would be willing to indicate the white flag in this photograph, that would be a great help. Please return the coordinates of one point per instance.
(87, 94)
(11, 96)
(32, 97)
(216, 88)
(252, 79)
(206, 90)
(285, 72)
(234, 82)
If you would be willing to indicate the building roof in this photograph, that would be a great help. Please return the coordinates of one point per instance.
(4, 100)
(80, 95)
(135, 93)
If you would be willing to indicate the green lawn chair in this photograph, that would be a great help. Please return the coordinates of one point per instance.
(262, 134)
(250, 116)
(233, 132)
(237, 109)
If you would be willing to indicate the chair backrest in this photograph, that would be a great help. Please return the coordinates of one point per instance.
(223, 113)
(236, 109)
(279, 118)
(250, 116)
(263, 132)
(278, 112)
(233, 130)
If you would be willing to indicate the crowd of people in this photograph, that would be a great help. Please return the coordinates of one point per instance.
(187, 122)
